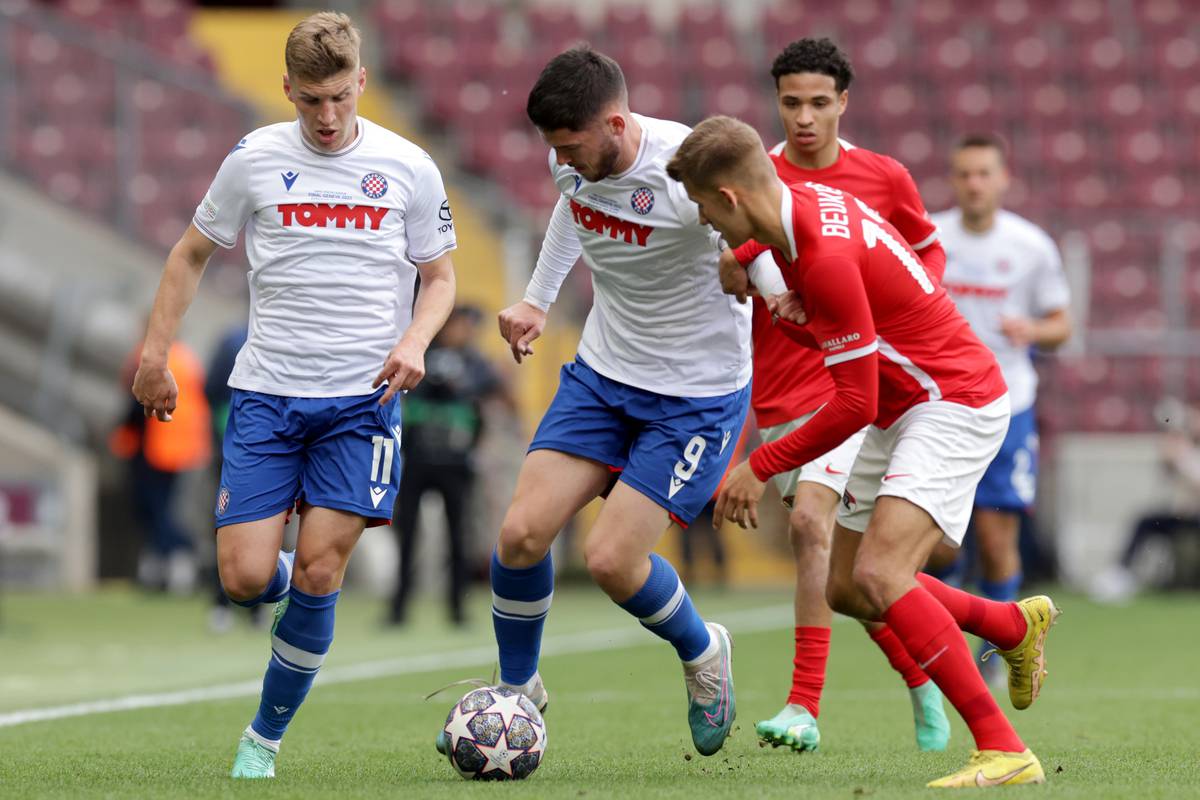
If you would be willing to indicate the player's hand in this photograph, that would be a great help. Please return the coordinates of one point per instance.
(154, 387)
(403, 368)
(1019, 330)
(520, 324)
(787, 306)
(738, 500)
(734, 278)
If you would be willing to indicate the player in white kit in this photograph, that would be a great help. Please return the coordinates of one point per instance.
(655, 398)
(340, 217)
(1006, 277)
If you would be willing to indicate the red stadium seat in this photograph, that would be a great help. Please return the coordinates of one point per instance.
(700, 21)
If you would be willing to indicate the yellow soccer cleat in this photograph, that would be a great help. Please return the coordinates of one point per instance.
(993, 768)
(1027, 661)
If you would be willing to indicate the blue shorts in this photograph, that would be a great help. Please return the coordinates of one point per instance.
(332, 452)
(1010, 483)
(674, 450)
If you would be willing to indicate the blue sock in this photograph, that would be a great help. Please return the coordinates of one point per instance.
(277, 589)
(1004, 591)
(298, 647)
(520, 602)
(664, 608)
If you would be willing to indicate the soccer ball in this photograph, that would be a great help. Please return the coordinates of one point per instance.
(495, 734)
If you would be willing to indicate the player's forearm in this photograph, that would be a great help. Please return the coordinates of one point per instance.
(1051, 331)
(749, 251)
(176, 291)
(560, 250)
(435, 301)
(852, 408)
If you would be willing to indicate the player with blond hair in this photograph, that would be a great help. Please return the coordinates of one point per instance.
(906, 364)
(340, 216)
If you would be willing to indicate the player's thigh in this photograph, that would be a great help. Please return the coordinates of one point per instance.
(866, 476)
(996, 532)
(352, 455)
(627, 530)
(262, 459)
(681, 453)
(323, 546)
(820, 486)
(938, 453)
(899, 538)
(247, 553)
(551, 488)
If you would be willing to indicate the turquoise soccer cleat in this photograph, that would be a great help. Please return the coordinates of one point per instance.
(792, 727)
(711, 706)
(929, 718)
(253, 760)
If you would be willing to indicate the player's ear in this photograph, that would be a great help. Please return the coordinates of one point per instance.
(287, 86)
(842, 100)
(729, 197)
(362, 79)
(616, 123)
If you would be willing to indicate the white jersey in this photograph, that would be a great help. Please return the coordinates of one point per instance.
(333, 241)
(659, 320)
(1012, 270)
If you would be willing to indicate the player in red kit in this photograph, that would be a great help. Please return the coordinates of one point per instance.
(791, 383)
(905, 363)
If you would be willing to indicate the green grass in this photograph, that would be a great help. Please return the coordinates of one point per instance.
(1118, 718)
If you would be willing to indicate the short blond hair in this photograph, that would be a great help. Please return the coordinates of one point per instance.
(717, 149)
(322, 46)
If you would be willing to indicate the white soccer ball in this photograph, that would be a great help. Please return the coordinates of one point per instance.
(495, 734)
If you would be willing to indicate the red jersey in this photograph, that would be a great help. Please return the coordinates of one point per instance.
(790, 382)
(890, 335)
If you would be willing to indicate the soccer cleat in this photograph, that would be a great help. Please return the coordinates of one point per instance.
(792, 727)
(1027, 661)
(534, 689)
(929, 717)
(993, 768)
(253, 760)
(711, 707)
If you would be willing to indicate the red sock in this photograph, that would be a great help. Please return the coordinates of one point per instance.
(898, 657)
(934, 641)
(808, 677)
(1002, 624)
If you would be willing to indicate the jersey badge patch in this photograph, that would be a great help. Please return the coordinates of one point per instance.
(642, 200)
(289, 178)
(374, 185)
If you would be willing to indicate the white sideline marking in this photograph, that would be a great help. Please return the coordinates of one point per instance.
(745, 621)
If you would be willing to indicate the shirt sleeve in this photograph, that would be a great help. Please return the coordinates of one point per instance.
(560, 250)
(934, 259)
(428, 222)
(1050, 289)
(765, 274)
(749, 251)
(228, 203)
(909, 216)
(845, 330)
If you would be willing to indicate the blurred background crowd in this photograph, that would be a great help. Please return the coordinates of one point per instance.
(119, 113)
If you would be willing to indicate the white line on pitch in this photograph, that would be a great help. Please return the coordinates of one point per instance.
(744, 621)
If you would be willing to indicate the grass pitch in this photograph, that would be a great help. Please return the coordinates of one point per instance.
(1117, 718)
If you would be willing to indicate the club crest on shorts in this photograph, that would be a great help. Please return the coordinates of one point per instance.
(374, 185)
(642, 200)
(222, 500)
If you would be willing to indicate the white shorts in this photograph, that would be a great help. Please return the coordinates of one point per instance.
(933, 457)
(831, 469)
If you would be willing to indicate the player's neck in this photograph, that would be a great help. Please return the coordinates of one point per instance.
(826, 157)
(631, 144)
(979, 223)
(766, 215)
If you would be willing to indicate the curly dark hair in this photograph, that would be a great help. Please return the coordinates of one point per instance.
(814, 55)
(573, 88)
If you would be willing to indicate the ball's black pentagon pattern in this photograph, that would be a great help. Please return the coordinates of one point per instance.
(516, 749)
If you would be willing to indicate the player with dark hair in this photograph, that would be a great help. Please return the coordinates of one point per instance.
(905, 363)
(654, 399)
(790, 383)
(1006, 276)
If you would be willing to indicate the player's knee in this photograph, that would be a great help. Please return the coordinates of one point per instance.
(871, 580)
(606, 566)
(242, 582)
(520, 544)
(318, 576)
(809, 532)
